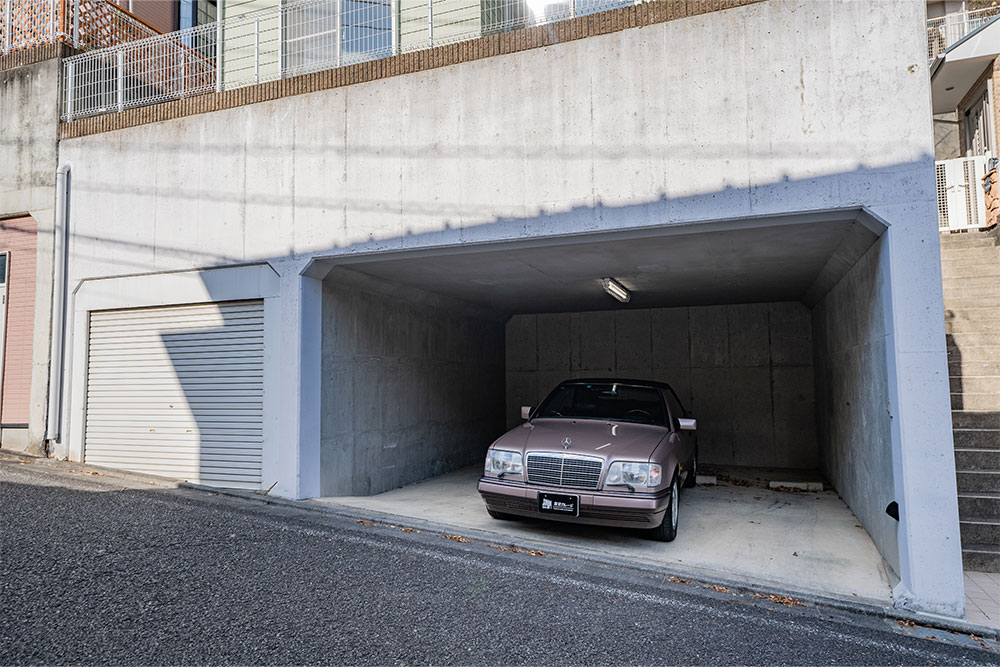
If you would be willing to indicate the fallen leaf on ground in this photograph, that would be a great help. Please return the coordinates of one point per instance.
(786, 600)
(787, 489)
(24, 461)
(456, 538)
(92, 472)
(678, 580)
(719, 589)
(516, 550)
(363, 522)
(757, 522)
(795, 553)
(905, 624)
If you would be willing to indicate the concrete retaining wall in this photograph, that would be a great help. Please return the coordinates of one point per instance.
(852, 393)
(412, 385)
(745, 370)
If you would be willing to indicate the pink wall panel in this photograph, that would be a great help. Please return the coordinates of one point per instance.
(17, 236)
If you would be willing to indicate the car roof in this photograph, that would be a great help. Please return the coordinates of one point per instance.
(638, 383)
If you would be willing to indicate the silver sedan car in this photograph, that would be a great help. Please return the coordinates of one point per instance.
(609, 452)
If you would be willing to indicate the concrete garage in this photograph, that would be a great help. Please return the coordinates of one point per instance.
(770, 329)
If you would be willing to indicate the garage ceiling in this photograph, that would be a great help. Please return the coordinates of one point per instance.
(763, 259)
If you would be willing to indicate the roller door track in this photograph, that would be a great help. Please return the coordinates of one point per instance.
(178, 391)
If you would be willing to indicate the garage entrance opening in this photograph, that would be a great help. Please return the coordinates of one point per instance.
(763, 327)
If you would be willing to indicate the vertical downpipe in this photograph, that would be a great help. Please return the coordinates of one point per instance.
(58, 336)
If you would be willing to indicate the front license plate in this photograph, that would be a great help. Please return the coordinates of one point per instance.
(558, 503)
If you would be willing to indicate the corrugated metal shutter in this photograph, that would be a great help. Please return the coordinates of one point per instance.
(178, 391)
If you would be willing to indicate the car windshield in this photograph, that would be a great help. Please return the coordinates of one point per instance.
(611, 401)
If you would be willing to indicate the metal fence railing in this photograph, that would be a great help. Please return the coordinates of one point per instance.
(297, 37)
(84, 24)
(944, 31)
(960, 194)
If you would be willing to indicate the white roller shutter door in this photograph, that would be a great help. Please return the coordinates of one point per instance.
(178, 391)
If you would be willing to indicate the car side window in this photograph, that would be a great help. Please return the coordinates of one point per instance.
(676, 411)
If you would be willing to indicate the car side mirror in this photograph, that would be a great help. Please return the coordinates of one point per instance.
(525, 412)
(688, 424)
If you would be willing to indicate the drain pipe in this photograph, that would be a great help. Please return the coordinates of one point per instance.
(58, 337)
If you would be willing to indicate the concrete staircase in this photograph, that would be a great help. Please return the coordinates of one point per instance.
(971, 269)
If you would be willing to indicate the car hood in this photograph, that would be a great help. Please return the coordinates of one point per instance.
(591, 437)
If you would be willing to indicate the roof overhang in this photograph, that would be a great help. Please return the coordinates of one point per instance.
(955, 72)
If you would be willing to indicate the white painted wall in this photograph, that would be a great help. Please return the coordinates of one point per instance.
(772, 108)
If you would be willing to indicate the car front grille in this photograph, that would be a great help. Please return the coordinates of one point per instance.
(568, 470)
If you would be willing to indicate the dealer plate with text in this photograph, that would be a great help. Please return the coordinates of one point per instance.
(558, 503)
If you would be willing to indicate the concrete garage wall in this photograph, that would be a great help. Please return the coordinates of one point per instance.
(852, 392)
(745, 370)
(412, 386)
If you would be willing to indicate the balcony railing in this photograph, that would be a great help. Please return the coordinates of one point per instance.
(944, 31)
(84, 24)
(960, 194)
(298, 37)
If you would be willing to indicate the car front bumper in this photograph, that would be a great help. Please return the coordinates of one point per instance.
(599, 508)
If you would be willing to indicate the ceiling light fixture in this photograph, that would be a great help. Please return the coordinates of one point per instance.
(616, 289)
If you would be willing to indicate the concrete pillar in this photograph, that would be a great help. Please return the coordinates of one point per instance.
(297, 401)
(930, 552)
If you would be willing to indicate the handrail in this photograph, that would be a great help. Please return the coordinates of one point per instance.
(296, 37)
(944, 31)
(83, 24)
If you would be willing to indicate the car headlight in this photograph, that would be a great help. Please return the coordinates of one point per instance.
(508, 463)
(624, 473)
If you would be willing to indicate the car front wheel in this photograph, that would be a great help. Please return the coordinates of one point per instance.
(667, 531)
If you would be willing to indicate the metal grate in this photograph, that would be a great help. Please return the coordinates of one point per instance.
(293, 38)
(566, 470)
(944, 31)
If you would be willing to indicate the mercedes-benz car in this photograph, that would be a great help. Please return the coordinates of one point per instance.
(609, 452)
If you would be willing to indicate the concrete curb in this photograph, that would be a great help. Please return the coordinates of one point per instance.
(871, 608)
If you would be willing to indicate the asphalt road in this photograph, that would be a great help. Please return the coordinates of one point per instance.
(96, 569)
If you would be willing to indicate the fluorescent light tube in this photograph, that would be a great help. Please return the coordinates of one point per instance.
(616, 289)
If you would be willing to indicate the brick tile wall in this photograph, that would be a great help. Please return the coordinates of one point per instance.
(17, 236)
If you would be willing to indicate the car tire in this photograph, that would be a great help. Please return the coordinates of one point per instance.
(692, 476)
(500, 516)
(667, 530)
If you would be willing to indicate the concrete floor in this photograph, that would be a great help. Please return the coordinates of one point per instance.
(982, 598)
(808, 542)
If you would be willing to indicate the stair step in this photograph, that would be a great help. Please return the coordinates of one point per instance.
(963, 339)
(985, 460)
(960, 325)
(957, 369)
(975, 401)
(952, 272)
(977, 439)
(956, 289)
(967, 240)
(974, 282)
(979, 504)
(980, 530)
(981, 558)
(972, 254)
(965, 301)
(972, 384)
(978, 481)
(968, 352)
(981, 313)
(973, 419)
